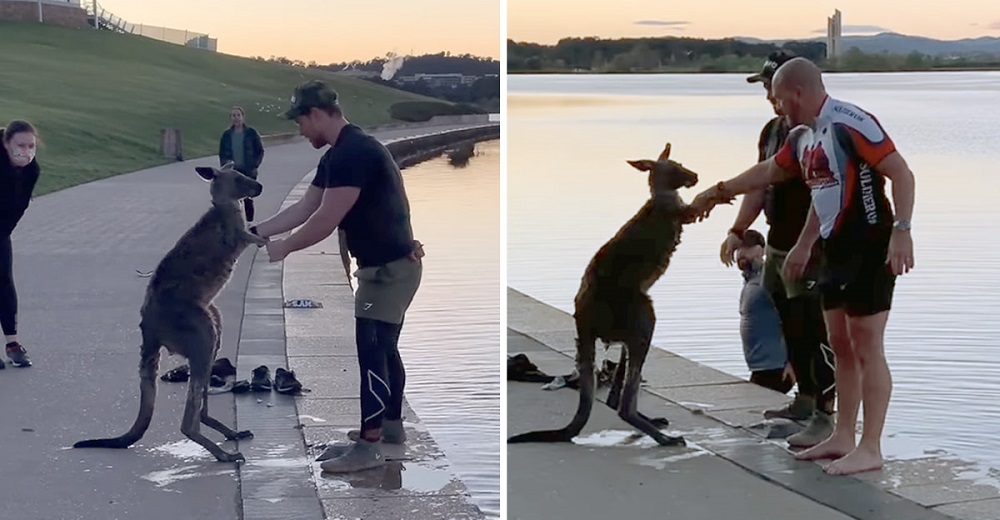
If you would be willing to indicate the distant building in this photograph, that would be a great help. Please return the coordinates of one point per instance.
(834, 32)
(66, 13)
(440, 80)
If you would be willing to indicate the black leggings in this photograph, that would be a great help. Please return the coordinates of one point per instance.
(809, 350)
(382, 374)
(8, 295)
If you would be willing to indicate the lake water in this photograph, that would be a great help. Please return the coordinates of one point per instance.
(569, 190)
(450, 343)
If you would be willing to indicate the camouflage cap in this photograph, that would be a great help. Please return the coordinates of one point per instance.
(771, 64)
(309, 95)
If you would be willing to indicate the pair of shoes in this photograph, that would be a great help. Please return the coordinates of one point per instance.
(392, 432)
(800, 409)
(284, 381)
(222, 371)
(18, 356)
(360, 456)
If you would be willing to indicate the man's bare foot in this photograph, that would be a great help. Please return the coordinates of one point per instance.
(834, 447)
(857, 461)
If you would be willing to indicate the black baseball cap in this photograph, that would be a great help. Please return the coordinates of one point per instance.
(311, 94)
(774, 60)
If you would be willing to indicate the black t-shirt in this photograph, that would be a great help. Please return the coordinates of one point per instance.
(787, 203)
(378, 225)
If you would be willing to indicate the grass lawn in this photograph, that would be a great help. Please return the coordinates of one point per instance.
(99, 99)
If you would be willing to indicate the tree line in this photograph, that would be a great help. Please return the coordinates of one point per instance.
(677, 54)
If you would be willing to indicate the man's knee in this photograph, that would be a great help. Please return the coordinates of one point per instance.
(867, 334)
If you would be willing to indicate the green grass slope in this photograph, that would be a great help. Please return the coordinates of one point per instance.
(100, 99)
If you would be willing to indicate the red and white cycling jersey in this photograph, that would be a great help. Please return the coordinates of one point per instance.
(836, 158)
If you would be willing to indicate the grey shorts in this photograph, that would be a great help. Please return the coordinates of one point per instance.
(386, 291)
(776, 283)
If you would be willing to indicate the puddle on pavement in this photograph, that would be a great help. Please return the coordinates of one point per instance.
(394, 476)
(186, 450)
(166, 477)
(660, 462)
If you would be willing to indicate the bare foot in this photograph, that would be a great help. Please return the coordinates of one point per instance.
(834, 447)
(857, 461)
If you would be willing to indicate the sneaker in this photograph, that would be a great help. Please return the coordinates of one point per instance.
(817, 431)
(223, 368)
(2, 365)
(176, 375)
(392, 432)
(361, 456)
(800, 409)
(285, 382)
(260, 380)
(18, 356)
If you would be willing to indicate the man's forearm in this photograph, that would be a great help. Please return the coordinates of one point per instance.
(757, 177)
(903, 195)
(750, 208)
(810, 231)
(288, 219)
(311, 233)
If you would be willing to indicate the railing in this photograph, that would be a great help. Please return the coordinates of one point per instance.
(101, 18)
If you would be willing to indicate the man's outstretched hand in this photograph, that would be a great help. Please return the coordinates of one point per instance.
(703, 203)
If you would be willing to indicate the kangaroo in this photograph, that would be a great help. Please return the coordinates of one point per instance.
(613, 305)
(179, 315)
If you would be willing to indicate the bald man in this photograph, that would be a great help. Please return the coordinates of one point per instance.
(844, 156)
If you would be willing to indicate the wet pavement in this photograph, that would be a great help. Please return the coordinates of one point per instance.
(729, 469)
(76, 253)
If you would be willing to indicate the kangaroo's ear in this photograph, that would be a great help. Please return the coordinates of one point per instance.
(665, 154)
(206, 172)
(644, 165)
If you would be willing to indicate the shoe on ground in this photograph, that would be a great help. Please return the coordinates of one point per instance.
(260, 380)
(223, 368)
(285, 382)
(392, 432)
(361, 456)
(800, 409)
(820, 427)
(18, 356)
(176, 375)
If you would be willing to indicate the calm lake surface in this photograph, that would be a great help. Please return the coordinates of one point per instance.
(569, 190)
(450, 343)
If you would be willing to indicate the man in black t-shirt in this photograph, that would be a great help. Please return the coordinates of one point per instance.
(358, 188)
(786, 206)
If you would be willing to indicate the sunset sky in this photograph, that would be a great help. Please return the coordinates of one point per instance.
(328, 30)
(546, 21)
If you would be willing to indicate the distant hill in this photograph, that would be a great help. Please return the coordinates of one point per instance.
(896, 43)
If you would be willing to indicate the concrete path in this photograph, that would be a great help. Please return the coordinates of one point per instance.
(728, 470)
(76, 256)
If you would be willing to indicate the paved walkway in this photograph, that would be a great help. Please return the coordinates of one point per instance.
(728, 470)
(76, 256)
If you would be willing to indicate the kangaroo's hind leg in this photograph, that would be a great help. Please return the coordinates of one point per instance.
(206, 419)
(638, 348)
(194, 334)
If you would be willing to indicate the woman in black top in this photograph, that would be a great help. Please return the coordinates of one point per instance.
(18, 175)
